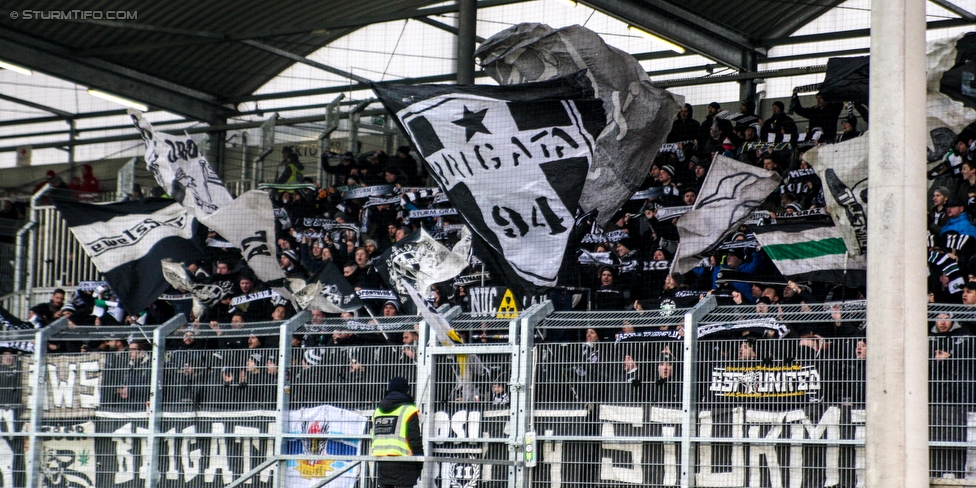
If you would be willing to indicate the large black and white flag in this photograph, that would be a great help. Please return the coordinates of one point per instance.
(9, 322)
(950, 86)
(513, 160)
(843, 168)
(847, 80)
(185, 174)
(738, 119)
(127, 240)
(181, 168)
(729, 194)
(420, 261)
(639, 115)
(951, 83)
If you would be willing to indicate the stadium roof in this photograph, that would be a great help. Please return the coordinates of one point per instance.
(197, 58)
(206, 60)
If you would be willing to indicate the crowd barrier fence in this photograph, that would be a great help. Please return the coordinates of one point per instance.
(557, 399)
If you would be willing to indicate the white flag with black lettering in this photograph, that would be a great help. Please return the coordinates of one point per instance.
(248, 222)
(127, 240)
(181, 168)
(729, 194)
(513, 160)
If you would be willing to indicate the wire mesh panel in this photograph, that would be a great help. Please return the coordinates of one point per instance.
(778, 400)
(470, 421)
(607, 398)
(95, 385)
(800, 399)
(791, 401)
(218, 387)
(13, 405)
(608, 412)
(348, 363)
(472, 403)
(339, 372)
(951, 402)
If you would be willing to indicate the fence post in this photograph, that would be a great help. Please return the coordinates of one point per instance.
(689, 402)
(425, 387)
(32, 463)
(155, 395)
(20, 273)
(284, 388)
(30, 274)
(332, 116)
(523, 328)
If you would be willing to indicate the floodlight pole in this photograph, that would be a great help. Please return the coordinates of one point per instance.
(897, 393)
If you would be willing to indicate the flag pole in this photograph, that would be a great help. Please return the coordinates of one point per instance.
(370, 312)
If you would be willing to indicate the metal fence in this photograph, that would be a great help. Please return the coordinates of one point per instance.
(547, 399)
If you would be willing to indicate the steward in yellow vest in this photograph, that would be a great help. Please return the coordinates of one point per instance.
(396, 432)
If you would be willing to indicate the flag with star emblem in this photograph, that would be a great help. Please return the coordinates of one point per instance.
(512, 159)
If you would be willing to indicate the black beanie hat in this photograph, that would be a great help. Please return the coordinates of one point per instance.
(398, 384)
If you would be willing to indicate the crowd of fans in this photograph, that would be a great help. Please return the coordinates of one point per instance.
(622, 266)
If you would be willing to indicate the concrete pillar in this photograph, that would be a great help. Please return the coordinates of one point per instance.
(215, 151)
(467, 30)
(747, 88)
(72, 135)
(897, 394)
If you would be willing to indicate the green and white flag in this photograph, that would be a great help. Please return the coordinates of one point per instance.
(811, 252)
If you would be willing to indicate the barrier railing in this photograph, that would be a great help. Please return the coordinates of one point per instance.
(288, 403)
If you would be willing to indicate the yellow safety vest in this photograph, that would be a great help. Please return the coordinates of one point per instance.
(390, 432)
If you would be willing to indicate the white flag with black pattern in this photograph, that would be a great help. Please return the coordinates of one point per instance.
(730, 193)
(255, 238)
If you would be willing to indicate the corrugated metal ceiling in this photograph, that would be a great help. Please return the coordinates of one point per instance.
(197, 44)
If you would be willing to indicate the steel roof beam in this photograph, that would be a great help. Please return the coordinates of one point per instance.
(444, 27)
(204, 37)
(301, 59)
(708, 80)
(35, 43)
(797, 22)
(853, 34)
(60, 113)
(209, 37)
(961, 12)
(346, 88)
(58, 118)
(682, 27)
(120, 81)
(190, 130)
